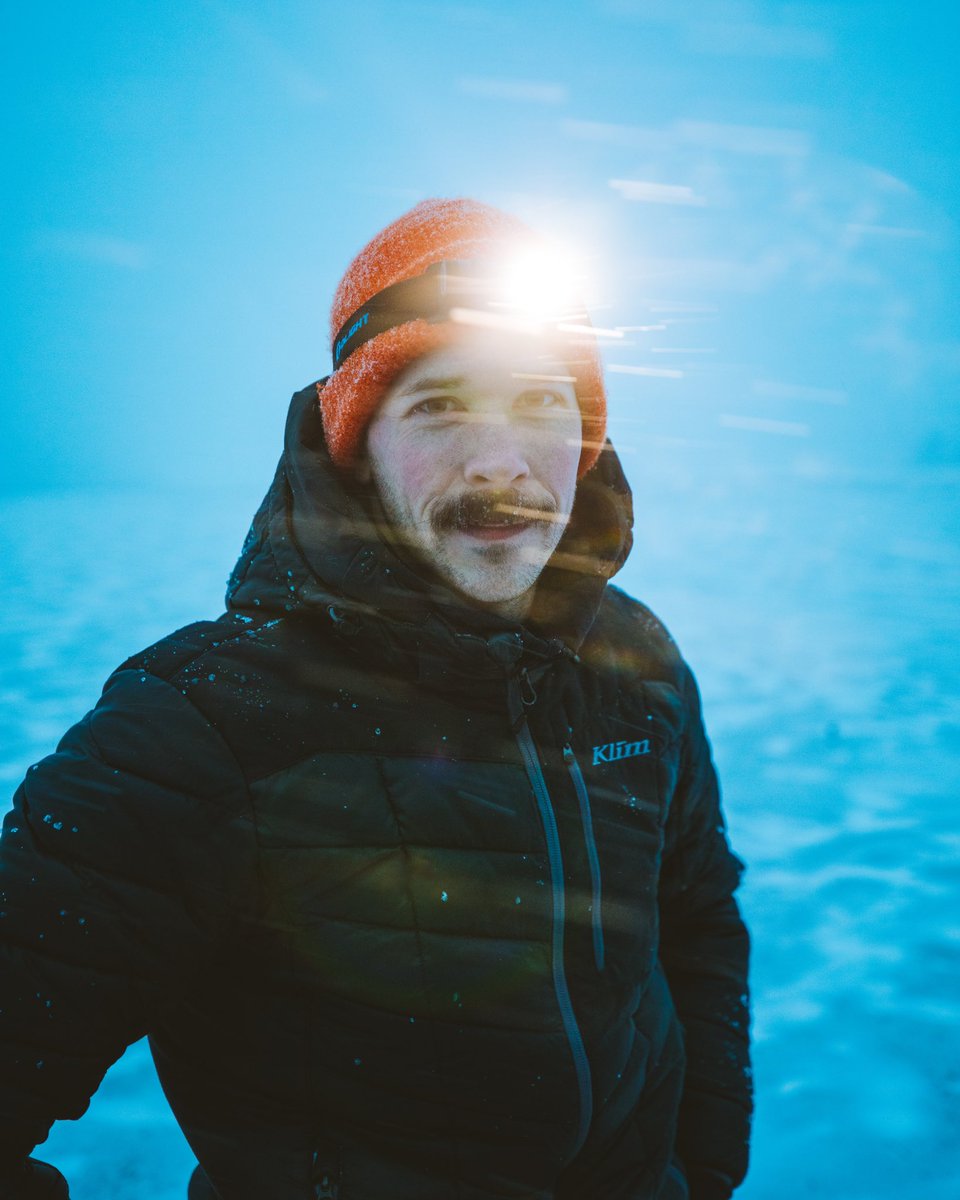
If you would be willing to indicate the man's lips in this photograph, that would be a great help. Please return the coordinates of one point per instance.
(495, 533)
(491, 516)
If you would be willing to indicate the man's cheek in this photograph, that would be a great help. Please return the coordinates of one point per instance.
(421, 477)
(560, 446)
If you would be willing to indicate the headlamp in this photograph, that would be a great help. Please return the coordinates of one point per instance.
(523, 296)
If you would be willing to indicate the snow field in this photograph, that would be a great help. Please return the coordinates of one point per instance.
(820, 614)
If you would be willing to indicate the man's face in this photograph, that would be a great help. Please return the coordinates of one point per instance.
(474, 452)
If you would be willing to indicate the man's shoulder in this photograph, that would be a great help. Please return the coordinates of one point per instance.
(622, 617)
(202, 642)
(226, 674)
(252, 680)
(629, 638)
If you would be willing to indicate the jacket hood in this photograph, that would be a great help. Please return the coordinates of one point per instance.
(314, 545)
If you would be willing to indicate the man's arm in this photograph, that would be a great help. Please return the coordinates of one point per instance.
(704, 948)
(117, 863)
(29, 1179)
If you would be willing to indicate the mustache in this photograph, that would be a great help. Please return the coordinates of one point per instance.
(501, 506)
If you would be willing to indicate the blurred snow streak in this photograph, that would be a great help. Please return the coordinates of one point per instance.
(93, 247)
(521, 90)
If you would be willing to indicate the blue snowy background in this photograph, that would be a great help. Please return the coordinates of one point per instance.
(767, 194)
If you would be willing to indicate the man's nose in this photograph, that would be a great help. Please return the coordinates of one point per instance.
(495, 455)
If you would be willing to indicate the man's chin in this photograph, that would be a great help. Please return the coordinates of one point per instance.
(493, 571)
(505, 588)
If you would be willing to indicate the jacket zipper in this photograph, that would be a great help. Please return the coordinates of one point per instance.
(531, 762)
(580, 787)
(326, 1184)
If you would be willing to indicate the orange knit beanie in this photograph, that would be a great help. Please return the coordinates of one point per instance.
(434, 231)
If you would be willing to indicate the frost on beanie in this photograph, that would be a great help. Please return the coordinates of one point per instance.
(434, 231)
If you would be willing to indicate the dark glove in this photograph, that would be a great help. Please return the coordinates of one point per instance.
(33, 1180)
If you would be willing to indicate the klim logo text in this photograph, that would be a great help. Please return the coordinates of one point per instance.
(614, 751)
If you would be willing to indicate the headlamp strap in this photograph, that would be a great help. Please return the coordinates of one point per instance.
(429, 296)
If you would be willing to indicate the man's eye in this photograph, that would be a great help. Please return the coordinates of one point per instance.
(544, 401)
(433, 406)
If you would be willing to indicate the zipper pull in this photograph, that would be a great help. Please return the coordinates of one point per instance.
(521, 694)
(325, 1187)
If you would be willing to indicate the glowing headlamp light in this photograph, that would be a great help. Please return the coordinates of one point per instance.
(527, 295)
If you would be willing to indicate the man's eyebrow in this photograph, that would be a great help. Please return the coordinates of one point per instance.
(431, 383)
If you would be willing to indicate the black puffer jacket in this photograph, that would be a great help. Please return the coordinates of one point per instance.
(407, 898)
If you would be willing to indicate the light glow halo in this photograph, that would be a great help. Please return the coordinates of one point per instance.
(542, 285)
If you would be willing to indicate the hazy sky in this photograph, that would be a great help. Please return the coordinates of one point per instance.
(771, 187)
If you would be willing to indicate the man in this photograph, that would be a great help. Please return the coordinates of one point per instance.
(412, 864)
